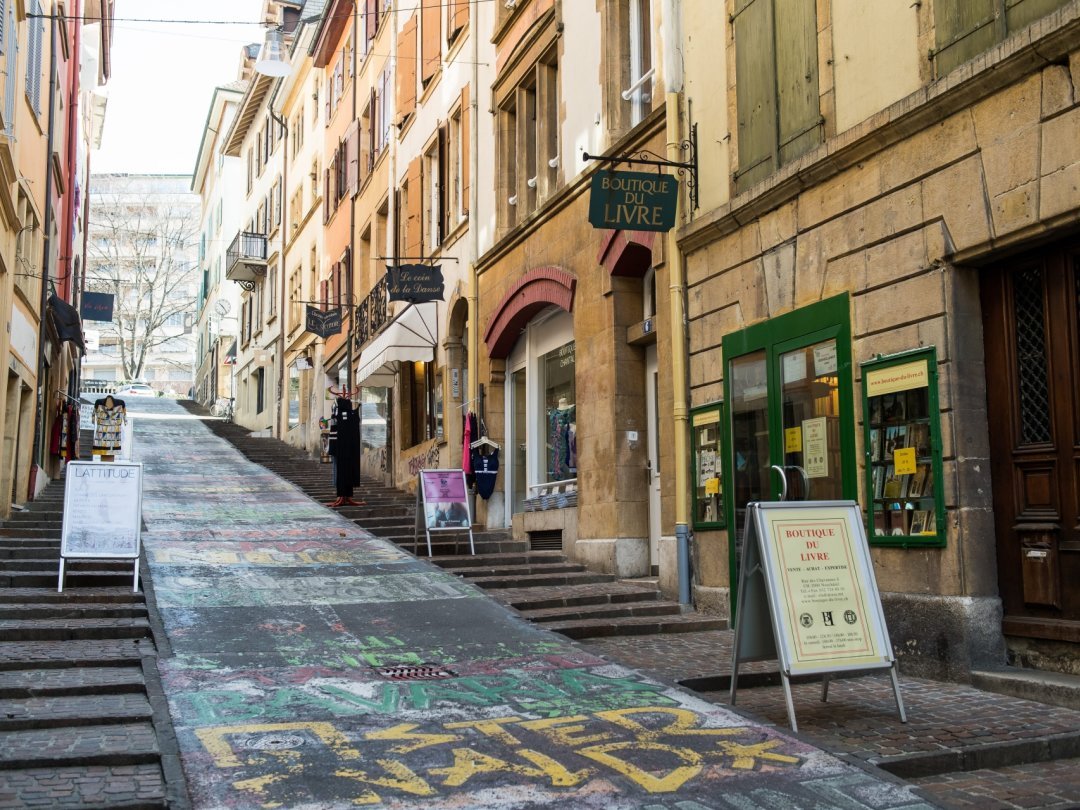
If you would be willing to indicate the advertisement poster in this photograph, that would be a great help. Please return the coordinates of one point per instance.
(102, 510)
(816, 447)
(826, 594)
(446, 502)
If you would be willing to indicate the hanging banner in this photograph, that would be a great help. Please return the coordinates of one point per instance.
(417, 283)
(96, 306)
(633, 201)
(323, 324)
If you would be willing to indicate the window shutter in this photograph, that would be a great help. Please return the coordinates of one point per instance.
(431, 51)
(413, 213)
(406, 68)
(442, 215)
(11, 86)
(352, 158)
(466, 149)
(326, 198)
(799, 115)
(371, 19)
(324, 295)
(1022, 13)
(963, 28)
(459, 17)
(755, 86)
(3, 24)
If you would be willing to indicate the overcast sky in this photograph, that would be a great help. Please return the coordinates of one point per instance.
(163, 76)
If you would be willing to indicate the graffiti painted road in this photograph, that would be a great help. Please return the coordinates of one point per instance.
(310, 665)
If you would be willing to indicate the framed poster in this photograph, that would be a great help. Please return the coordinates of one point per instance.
(102, 513)
(706, 480)
(443, 504)
(902, 444)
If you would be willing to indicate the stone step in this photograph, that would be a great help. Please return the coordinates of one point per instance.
(442, 547)
(130, 786)
(45, 561)
(514, 571)
(455, 562)
(534, 580)
(73, 653)
(64, 629)
(636, 626)
(24, 683)
(31, 520)
(22, 611)
(574, 595)
(603, 611)
(111, 595)
(30, 533)
(115, 744)
(76, 578)
(67, 711)
(29, 552)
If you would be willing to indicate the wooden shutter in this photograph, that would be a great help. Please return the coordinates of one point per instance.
(443, 214)
(326, 198)
(431, 44)
(1021, 13)
(3, 24)
(414, 209)
(352, 158)
(466, 149)
(755, 88)
(371, 19)
(459, 17)
(963, 28)
(798, 112)
(324, 295)
(406, 68)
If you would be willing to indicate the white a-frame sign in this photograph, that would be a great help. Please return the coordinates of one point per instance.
(808, 597)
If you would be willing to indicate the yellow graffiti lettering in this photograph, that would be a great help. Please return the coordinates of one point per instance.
(549, 727)
(683, 722)
(416, 741)
(468, 763)
(401, 778)
(492, 728)
(259, 557)
(260, 783)
(215, 740)
(666, 783)
(555, 771)
(745, 757)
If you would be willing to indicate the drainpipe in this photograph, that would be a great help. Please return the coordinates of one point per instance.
(474, 204)
(673, 78)
(282, 408)
(350, 281)
(46, 275)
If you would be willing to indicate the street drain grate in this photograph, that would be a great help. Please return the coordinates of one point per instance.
(274, 742)
(423, 672)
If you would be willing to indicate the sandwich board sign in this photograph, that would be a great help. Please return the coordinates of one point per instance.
(442, 505)
(102, 514)
(808, 596)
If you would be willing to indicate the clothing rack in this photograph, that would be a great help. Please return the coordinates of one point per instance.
(69, 397)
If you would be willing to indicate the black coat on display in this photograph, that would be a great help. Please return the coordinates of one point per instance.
(345, 447)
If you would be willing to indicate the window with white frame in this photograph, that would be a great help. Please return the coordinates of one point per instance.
(434, 201)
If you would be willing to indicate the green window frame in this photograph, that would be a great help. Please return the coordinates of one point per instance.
(905, 418)
(707, 438)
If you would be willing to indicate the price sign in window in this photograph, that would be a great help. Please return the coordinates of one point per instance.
(902, 434)
(707, 474)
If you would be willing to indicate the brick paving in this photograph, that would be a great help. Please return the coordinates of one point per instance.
(130, 744)
(23, 654)
(89, 786)
(40, 712)
(1046, 785)
(76, 680)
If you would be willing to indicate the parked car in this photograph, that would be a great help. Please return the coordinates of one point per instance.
(136, 390)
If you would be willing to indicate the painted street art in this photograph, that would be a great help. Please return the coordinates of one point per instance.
(314, 666)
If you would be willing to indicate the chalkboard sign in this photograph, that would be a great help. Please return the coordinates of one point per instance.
(102, 513)
(808, 596)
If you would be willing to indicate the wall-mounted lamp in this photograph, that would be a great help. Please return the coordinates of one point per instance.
(272, 60)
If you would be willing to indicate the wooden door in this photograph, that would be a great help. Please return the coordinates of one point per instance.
(1030, 326)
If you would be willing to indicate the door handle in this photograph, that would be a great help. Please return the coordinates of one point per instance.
(783, 480)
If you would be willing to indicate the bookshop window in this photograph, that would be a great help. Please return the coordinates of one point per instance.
(902, 435)
(708, 489)
(560, 402)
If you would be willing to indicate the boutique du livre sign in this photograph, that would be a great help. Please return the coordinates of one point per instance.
(323, 324)
(633, 201)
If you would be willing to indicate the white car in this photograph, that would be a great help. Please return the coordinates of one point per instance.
(136, 390)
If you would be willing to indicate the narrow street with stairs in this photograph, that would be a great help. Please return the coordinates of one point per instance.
(543, 586)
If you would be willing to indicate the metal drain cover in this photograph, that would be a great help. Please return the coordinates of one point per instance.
(274, 742)
(411, 672)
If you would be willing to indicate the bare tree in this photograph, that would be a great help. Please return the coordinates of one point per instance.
(141, 249)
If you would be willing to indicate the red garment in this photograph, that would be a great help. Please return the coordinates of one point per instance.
(466, 453)
(57, 426)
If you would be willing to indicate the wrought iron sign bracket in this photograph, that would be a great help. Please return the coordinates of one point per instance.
(643, 157)
(245, 285)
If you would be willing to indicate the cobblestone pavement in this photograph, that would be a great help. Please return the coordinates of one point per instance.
(950, 726)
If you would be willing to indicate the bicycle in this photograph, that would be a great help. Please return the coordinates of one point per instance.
(223, 409)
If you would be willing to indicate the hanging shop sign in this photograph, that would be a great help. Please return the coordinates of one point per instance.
(323, 324)
(417, 283)
(808, 596)
(634, 201)
(96, 306)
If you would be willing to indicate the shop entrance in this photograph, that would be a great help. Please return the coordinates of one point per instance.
(790, 428)
(1031, 307)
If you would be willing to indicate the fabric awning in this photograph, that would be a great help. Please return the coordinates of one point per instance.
(410, 337)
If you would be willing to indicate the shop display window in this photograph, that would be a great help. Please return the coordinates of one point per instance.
(902, 433)
(560, 413)
(708, 490)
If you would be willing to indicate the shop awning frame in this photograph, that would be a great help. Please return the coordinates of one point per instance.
(410, 337)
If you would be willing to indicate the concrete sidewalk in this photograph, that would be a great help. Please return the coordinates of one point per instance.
(308, 664)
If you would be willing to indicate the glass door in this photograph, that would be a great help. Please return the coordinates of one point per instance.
(519, 442)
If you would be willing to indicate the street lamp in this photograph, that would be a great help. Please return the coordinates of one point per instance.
(272, 60)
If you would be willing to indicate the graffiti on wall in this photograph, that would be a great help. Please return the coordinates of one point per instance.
(428, 460)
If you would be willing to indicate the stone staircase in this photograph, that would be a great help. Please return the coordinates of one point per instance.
(543, 586)
(81, 708)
